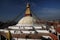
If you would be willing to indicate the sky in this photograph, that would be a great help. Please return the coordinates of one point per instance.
(44, 9)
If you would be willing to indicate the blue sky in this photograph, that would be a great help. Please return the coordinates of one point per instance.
(46, 9)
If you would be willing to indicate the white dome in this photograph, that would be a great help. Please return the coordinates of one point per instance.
(27, 20)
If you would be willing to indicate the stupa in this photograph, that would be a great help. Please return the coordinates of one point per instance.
(26, 29)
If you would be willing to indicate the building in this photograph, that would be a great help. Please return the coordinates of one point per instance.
(28, 29)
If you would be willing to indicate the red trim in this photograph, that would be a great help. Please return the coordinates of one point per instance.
(54, 37)
(28, 14)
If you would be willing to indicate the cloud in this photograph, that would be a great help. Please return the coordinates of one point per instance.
(52, 13)
(50, 10)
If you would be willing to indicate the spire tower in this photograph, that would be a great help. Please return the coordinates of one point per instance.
(28, 11)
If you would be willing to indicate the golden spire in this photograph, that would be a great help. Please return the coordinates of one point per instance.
(28, 12)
